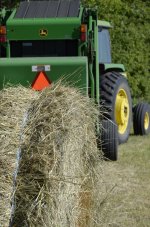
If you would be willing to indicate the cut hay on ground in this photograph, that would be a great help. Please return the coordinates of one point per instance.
(48, 157)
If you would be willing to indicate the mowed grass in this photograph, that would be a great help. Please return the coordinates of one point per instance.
(126, 201)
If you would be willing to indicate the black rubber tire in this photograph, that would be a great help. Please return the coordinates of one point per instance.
(109, 140)
(139, 112)
(110, 84)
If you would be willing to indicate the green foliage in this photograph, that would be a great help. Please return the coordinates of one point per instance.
(130, 40)
(8, 3)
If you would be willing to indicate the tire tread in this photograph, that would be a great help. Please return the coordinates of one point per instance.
(109, 82)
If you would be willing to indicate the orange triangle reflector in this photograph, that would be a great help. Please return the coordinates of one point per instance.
(41, 81)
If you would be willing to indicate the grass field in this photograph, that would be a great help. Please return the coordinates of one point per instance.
(126, 197)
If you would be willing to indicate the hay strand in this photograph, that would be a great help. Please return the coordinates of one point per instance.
(13, 103)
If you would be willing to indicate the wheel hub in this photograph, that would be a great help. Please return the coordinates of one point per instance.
(146, 121)
(122, 111)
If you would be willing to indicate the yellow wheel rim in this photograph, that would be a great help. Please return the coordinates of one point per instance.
(146, 121)
(122, 111)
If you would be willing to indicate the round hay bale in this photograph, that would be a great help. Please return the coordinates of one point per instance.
(56, 176)
(14, 102)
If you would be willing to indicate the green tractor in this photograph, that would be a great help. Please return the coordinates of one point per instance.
(40, 41)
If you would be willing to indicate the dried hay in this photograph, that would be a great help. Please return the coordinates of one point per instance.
(13, 104)
(55, 184)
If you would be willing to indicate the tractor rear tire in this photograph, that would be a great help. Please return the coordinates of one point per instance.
(141, 119)
(116, 100)
(109, 140)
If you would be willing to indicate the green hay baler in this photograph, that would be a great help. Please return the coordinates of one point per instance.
(42, 41)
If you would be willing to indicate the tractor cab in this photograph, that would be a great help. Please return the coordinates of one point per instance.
(104, 45)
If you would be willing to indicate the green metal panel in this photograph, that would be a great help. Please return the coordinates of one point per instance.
(96, 61)
(113, 67)
(19, 70)
(91, 75)
(29, 29)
